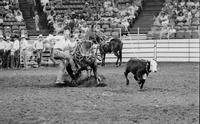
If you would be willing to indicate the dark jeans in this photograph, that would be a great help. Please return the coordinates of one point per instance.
(39, 56)
(1, 57)
(15, 59)
(6, 59)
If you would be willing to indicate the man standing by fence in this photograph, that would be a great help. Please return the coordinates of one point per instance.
(15, 53)
(2, 49)
(38, 47)
(7, 55)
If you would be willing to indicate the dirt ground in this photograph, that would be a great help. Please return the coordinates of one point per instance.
(170, 96)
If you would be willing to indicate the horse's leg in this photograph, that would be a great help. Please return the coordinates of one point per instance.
(120, 54)
(126, 76)
(103, 56)
(120, 57)
(142, 83)
(70, 72)
(116, 54)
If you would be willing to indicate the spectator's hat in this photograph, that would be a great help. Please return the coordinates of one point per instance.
(7, 38)
(23, 36)
(40, 36)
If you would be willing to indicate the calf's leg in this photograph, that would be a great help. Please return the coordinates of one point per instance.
(126, 76)
(142, 83)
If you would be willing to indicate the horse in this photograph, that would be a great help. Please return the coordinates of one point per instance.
(114, 45)
(85, 57)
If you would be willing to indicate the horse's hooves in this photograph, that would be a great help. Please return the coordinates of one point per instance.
(74, 83)
(101, 85)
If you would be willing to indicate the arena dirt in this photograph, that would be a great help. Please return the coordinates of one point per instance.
(170, 96)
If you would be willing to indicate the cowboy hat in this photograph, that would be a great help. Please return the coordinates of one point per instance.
(40, 36)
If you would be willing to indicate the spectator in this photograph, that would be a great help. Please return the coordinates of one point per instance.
(10, 15)
(164, 20)
(38, 47)
(157, 20)
(7, 55)
(180, 18)
(190, 3)
(15, 53)
(189, 17)
(167, 32)
(182, 3)
(18, 15)
(24, 45)
(197, 14)
(2, 49)
(193, 10)
(36, 18)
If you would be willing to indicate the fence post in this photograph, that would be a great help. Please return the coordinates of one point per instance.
(189, 50)
(155, 49)
(138, 33)
(120, 31)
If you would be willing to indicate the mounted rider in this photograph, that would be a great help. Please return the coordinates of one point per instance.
(94, 33)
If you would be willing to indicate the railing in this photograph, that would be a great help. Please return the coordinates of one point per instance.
(163, 50)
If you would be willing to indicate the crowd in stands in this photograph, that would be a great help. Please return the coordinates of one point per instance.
(11, 18)
(10, 11)
(176, 15)
(65, 12)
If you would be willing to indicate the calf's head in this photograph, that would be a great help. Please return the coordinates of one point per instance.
(153, 65)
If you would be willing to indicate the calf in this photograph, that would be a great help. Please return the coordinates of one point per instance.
(140, 69)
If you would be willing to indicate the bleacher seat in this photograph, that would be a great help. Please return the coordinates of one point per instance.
(107, 33)
(187, 34)
(115, 34)
(105, 26)
(180, 34)
(195, 34)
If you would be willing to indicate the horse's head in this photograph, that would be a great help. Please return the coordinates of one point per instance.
(86, 48)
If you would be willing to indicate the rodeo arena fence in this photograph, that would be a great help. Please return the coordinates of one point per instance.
(137, 46)
(162, 50)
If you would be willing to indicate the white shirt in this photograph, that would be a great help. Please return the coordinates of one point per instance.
(38, 45)
(60, 42)
(2, 45)
(8, 45)
(15, 46)
(24, 44)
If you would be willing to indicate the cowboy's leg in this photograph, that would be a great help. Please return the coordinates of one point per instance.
(61, 72)
(61, 57)
(67, 56)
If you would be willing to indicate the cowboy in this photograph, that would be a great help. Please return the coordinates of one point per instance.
(15, 52)
(61, 52)
(39, 47)
(7, 55)
(2, 49)
(24, 45)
